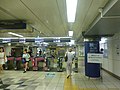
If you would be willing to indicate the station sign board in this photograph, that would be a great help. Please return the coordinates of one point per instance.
(22, 40)
(56, 40)
(6, 40)
(38, 40)
(94, 57)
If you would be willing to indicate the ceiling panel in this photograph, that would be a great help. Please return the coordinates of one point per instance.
(114, 10)
(89, 11)
(63, 14)
(4, 16)
(108, 24)
(18, 9)
(49, 14)
(105, 26)
(82, 10)
(93, 12)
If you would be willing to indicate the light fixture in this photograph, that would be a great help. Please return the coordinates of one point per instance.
(9, 44)
(103, 40)
(85, 39)
(71, 10)
(15, 34)
(70, 33)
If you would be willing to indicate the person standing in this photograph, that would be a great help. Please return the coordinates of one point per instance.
(70, 57)
(26, 58)
(2, 59)
(40, 52)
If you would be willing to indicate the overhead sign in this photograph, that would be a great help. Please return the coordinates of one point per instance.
(22, 40)
(7, 40)
(12, 24)
(94, 58)
(38, 40)
(48, 40)
(65, 39)
(56, 40)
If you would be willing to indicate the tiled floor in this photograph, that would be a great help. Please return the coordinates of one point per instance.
(35, 80)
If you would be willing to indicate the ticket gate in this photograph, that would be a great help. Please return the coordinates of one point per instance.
(76, 64)
(37, 60)
(18, 63)
(10, 63)
(31, 63)
(48, 63)
(59, 64)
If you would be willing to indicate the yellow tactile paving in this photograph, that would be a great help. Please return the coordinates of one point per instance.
(90, 89)
(68, 85)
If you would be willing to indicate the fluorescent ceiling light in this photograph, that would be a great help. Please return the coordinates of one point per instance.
(71, 10)
(86, 40)
(70, 33)
(15, 34)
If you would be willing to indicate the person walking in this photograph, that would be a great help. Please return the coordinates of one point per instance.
(70, 57)
(26, 58)
(2, 58)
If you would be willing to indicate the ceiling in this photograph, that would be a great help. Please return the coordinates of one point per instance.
(109, 23)
(49, 17)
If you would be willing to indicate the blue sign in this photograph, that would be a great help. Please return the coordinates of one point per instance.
(6, 40)
(38, 40)
(22, 40)
(56, 40)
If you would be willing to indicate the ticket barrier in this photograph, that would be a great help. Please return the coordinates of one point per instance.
(76, 64)
(48, 63)
(18, 63)
(31, 63)
(37, 62)
(59, 64)
(10, 63)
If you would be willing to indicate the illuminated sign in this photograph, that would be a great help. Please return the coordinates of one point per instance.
(14, 40)
(56, 40)
(22, 40)
(6, 40)
(38, 40)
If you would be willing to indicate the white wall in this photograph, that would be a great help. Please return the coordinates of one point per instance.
(112, 63)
